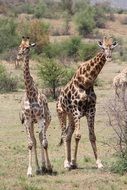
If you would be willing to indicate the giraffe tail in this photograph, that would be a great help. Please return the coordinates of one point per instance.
(21, 117)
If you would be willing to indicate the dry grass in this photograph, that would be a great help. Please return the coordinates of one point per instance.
(13, 144)
(14, 157)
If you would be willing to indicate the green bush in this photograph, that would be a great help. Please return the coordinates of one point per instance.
(8, 35)
(53, 75)
(38, 32)
(120, 165)
(85, 21)
(40, 9)
(99, 17)
(27, 8)
(7, 82)
(53, 50)
(72, 48)
(87, 51)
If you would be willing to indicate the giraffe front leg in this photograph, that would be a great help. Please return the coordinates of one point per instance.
(92, 137)
(67, 142)
(77, 139)
(45, 145)
(31, 145)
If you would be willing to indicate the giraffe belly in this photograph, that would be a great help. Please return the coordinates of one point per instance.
(78, 107)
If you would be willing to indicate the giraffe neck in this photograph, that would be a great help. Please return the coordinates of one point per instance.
(31, 90)
(88, 72)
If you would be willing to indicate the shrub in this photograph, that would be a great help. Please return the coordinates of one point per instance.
(7, 82)
(72, 48)
(68, 6)
(120, 165)
(8, 35)
(87, 51)
(53, 50)
(117, 119)
(38, 32)
(27, 8)
(53, 75)
(85, 21)
(39, 10)
(99, 17)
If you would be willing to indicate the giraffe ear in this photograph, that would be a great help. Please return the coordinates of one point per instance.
(100, 44)
(114, 44)
(33, 44)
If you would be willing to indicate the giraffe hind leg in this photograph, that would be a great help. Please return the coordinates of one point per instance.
(77, 139)
(92, 137)
(62, 119)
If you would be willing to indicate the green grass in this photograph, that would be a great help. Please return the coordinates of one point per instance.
(14, 155)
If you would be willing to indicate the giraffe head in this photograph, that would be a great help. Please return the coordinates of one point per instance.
(107, 44)
(25, 46)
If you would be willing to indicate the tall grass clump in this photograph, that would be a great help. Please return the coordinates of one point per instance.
(120, 165)
(8, 83)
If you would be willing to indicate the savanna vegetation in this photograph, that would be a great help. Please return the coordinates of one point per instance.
(66, 34)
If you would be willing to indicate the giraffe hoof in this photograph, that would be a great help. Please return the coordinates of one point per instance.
(38, 172)
(99, 164)
(67, 165)
(43, 170)
(73, 165)
(49, 171)
(29, 175)
(29, 172)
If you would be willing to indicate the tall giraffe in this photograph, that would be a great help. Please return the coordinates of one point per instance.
(78, 99)
(34, 110)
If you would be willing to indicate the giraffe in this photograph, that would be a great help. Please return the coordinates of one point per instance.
(120, 83)
(78, 99)
(19, 59)
(34, 110)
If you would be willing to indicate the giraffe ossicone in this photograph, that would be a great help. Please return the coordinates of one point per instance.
(78, 99)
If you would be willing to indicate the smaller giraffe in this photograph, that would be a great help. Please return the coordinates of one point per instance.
(120, 83)
(34, 110)
(18, 61)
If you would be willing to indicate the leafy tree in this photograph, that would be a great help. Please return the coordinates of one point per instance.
(53, 74)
